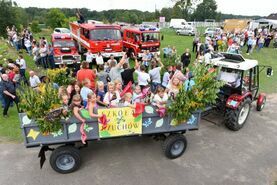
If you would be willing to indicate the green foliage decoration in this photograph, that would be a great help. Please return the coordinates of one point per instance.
(37, 104)
(202, 94)
(59, 76)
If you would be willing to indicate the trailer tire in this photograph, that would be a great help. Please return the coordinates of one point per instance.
(65, 159)
(174, 146)
(236, 118)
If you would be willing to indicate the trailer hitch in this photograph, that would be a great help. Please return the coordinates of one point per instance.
(41, 154)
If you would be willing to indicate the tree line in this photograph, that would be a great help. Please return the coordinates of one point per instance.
(12, 14)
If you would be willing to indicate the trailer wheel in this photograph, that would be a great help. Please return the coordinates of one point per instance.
(65, 159)
(261, 106)
(235, 119)
(174, 146)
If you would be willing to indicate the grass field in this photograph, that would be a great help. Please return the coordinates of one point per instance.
(9, 127)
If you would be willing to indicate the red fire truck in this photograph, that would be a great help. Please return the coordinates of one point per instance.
(64, 49)
(140, 39)
(98, 38)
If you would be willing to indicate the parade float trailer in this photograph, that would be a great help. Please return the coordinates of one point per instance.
(66, 143)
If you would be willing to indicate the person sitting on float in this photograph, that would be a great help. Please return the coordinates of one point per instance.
(92, 105)
(173, 87)
(160, 98)
(112, 97)
(76, 107)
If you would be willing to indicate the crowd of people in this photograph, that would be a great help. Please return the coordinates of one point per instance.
(233, 42)
(41, 50)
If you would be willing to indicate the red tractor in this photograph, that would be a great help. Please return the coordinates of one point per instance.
(241, 89)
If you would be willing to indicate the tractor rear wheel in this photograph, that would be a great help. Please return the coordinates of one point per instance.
(236, 118)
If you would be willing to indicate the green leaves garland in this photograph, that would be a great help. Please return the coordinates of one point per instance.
(202, 94)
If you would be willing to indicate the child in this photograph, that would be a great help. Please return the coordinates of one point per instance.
(118, 86)
(92, 103)
(166, 77)
(100, 92)
(102, 75)
(76, 107)
(65, 101)
(76, 90)
(112, 97)
(62, 90)
(143, 77)
(137, 94)
(85, 91)
(173, 87)
(127, 99)
(160, 98)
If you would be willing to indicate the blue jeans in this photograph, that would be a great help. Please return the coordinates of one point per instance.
(44, 62)
(16, 45)
(154, 87)
(260, 46)
(29, 50)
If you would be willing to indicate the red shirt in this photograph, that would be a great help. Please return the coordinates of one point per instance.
(86, 73)
(11, 75)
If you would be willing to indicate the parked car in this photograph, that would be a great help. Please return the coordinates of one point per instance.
(186, 31)
(212, 31)
(62, 30)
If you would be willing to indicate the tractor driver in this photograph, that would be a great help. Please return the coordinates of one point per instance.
(232, 77)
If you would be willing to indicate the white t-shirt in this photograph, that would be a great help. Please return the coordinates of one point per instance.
(166, 79)
(155, 75)
(27, 43)
(84, 93)
(22, 63)
(89, 57)
(157, 99)
(143, 78)
(43, 51)
(99, 60)
(108, 99)
(34, 81)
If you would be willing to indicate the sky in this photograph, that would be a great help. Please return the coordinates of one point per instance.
(238, 7)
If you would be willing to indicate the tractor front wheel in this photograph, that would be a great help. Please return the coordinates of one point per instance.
(236, 118)
(260, 106)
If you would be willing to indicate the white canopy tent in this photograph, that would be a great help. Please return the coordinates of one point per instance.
(266, 22)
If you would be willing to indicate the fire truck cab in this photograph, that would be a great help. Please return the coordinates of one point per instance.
(98, 38)
(65, 49)
(140, 39)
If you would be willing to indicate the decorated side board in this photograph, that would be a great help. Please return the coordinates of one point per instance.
(117, 122)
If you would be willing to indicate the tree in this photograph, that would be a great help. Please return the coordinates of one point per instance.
(7, 16)
(167, 13)
(206, 10)
(55, 18)
(186, 7)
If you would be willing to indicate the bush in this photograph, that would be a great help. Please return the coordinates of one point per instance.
(35, 27)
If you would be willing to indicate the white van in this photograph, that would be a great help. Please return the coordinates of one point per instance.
(177, 23)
